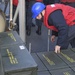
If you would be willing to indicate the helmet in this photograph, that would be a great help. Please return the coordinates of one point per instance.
(37, 9)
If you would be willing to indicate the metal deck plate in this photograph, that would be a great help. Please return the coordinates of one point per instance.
(68, 56)
(44, 73)
(51, 60)
(65, 71)
(41, 66)
(8, 38)
(18, 59)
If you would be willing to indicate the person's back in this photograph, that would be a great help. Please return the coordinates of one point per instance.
(67, 11)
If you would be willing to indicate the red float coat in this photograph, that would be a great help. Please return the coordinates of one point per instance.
(15, 2)
(67, 11)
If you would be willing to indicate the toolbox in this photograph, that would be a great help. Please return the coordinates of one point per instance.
(17, 60)
(73, 49)
(44, 73)
(73, 68)
(9, 38)
(68, 56)
(65, 71)
(51, 60)
(41, 66)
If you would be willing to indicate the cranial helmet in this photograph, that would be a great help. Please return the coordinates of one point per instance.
(37, 9)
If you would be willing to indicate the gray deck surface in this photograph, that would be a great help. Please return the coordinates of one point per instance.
(39, 43)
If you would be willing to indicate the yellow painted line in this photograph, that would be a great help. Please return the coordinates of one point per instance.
(12, 59)
(48, 60)
(68, 58)
(12, 36)
(67, 73)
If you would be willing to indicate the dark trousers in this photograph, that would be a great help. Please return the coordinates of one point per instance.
(29, 14)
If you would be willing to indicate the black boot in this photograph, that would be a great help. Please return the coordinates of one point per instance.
(28, 32)
(39, 30)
